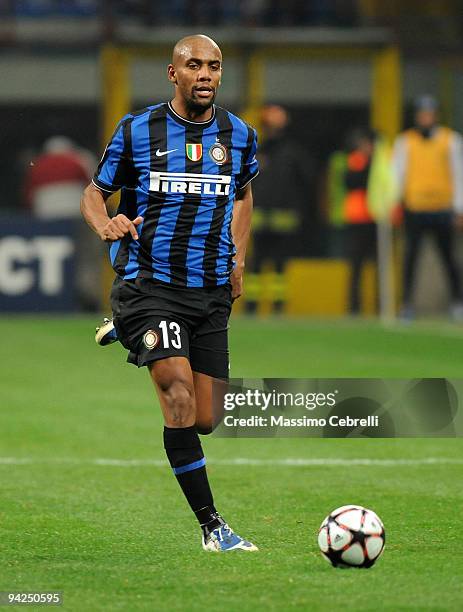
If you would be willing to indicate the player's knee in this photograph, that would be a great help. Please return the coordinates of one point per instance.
(179, 399)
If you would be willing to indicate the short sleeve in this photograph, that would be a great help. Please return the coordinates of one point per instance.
(115, 169)
(249, 166)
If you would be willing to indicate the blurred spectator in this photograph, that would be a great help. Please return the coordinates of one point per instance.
(428, 160)
(284, 215)
(361, 192)
(360, 224)
(53, 187)
(56, 178)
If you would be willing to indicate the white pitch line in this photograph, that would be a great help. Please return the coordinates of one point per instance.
(288, 462)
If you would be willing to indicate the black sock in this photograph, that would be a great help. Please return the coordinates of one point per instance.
(183, 449)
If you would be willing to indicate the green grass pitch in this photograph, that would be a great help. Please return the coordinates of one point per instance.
(119, 536)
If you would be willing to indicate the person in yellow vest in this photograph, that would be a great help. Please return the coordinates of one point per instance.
(428, 162)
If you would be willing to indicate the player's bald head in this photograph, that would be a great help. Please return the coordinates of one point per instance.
(194, 46)
(195, 72)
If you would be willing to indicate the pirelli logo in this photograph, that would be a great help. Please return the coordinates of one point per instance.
(187, 182)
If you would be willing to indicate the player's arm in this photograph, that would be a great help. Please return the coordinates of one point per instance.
(95, 213)
(241, 229)
(114, 171)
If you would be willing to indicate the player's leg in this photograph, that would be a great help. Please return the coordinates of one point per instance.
(174, 383)
(208, 352)
(186, 397)
(173, 380)
(209, 392)
(209, 359)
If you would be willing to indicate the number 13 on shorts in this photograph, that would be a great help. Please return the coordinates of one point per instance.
(170, 334)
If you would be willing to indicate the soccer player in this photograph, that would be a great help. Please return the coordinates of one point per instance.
(178, 245)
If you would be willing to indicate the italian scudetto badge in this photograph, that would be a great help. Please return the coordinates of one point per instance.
(194, 151)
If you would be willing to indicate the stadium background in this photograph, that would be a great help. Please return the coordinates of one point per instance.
(84, 491)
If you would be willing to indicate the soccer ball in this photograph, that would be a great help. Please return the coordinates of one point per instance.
(352, 536)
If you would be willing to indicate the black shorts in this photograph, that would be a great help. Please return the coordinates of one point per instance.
(155, 320)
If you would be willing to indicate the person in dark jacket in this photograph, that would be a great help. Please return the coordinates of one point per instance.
(285, 218)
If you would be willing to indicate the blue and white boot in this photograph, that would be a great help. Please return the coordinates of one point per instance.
(106, 334)
(223, 539)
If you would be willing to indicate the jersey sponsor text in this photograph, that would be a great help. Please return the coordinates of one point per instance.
(187, 182)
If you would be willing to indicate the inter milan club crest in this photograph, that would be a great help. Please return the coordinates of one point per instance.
(150, 339)
(218, 153)
(194, 151)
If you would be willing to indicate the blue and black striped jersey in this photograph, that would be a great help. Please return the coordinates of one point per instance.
(182, 177)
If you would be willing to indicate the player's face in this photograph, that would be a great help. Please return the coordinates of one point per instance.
(197, 76)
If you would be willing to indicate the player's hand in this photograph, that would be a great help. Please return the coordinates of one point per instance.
(118, 227)
(236, 280)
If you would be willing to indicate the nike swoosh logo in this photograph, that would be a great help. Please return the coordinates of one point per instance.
(162, 153)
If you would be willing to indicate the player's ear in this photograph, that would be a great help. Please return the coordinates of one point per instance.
(171, 75)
